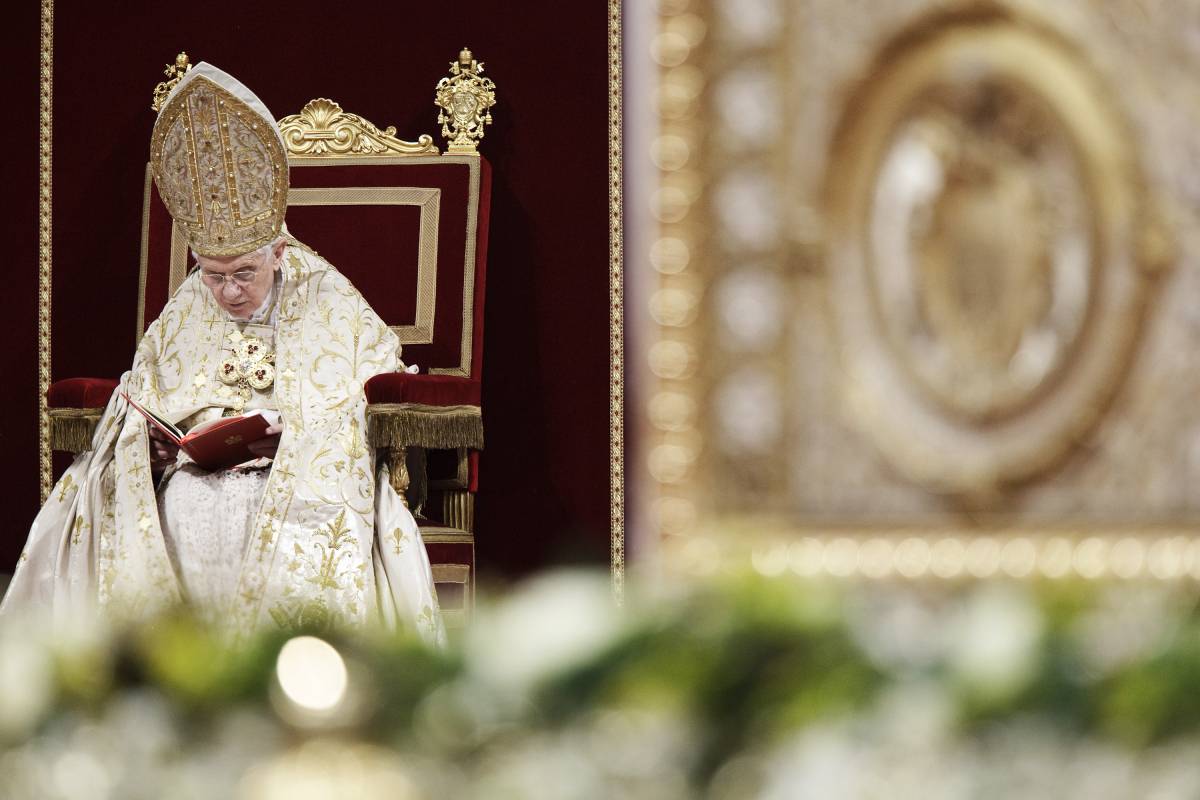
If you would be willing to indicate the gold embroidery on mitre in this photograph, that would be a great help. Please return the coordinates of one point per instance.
(250, 366)
(220, 168)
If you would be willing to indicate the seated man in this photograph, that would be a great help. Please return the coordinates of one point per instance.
(311, 532)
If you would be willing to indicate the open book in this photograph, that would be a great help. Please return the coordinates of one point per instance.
(219, 444)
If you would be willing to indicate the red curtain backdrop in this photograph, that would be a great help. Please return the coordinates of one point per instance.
(19, 221)
(544, 475)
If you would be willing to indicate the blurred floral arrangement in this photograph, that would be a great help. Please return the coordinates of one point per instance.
(733, 688)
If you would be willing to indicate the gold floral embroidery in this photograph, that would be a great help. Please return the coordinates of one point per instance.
(81, 527)
(356, 446)
(266, 534)
(65, 485)
(336, 535)
(398, 538)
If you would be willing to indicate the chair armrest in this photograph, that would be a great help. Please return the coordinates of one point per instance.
(75, 406)
(81, 393)
(431, 411)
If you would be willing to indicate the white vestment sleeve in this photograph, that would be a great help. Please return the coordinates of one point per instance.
(57, 574)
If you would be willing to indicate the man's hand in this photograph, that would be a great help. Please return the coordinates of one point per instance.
(266, 446)
(162, 450)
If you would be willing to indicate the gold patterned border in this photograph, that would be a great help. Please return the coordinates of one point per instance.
(1169, 551)
(616, 279)
(45, 164)
(144, 257)
(677, 256)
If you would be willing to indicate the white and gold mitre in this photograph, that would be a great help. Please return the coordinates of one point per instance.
(220, 164)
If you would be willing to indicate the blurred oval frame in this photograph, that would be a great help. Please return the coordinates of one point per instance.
(937, 447)
(1132, 247)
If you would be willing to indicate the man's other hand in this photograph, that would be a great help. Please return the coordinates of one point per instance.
(266, 446)
(162, 450)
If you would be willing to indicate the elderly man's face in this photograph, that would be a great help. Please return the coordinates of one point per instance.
(240, 284)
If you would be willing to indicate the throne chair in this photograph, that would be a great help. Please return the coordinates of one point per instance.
(408, 225)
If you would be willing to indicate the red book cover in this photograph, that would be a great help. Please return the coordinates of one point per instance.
(226, 442)
(216, 445)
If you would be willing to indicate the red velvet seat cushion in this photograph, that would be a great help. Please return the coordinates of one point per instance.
(393, 387)
(80, 393)
(429, 390)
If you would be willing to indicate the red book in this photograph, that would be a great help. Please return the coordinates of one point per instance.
(215, 445)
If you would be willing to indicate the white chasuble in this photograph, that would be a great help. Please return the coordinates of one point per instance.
(307, 549)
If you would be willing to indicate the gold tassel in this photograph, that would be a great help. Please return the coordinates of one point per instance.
(71, 429)
(433, 427)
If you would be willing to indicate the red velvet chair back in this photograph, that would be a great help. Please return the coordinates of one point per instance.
(410, 231)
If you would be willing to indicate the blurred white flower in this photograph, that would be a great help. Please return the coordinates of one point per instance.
(1127, 623)
(822, 762)
(546, 625)
(916, 711)
(321, 769)
(79, 775)
(540, 767)
(640, 748)
(993, 641)
(897, 628)
(26, 679)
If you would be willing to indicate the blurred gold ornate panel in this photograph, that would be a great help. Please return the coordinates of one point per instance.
(940, 259)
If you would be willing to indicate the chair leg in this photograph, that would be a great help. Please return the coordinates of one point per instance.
(398, 464)
(458, 509)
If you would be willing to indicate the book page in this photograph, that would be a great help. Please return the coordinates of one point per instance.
(272, 418)
(155, 419)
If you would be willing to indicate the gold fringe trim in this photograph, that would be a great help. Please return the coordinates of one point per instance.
(71, 429)
(416, 425)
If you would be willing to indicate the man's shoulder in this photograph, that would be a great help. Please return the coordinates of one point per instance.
(300, 249)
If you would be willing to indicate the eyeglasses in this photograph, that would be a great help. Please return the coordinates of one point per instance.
(216, 280)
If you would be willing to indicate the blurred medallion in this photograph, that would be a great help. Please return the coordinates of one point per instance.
(985, 210)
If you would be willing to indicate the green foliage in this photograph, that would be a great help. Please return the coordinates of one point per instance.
(742, 662)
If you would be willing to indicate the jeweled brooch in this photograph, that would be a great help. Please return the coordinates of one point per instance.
(250, 366)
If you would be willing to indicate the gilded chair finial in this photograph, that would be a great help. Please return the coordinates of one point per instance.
(174, 73)
(463, 99)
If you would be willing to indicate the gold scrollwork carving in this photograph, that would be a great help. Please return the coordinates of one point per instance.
(464, 99)
(174, 73)
(322, 128)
